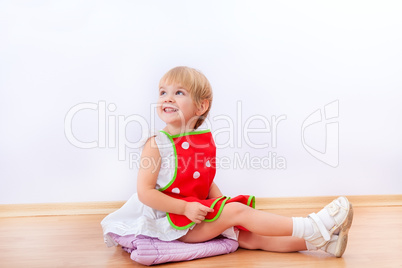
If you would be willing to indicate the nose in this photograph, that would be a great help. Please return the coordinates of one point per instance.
(169, 98)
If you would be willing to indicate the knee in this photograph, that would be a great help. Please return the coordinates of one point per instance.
(235, 210)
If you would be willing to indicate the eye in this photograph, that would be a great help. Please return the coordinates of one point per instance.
(179, 92)
(162, 92)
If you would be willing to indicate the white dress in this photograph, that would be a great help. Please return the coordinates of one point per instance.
(136, 218)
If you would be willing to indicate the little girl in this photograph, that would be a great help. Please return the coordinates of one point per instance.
(178, 200)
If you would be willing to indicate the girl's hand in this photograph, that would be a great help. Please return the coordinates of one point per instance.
(196, 212)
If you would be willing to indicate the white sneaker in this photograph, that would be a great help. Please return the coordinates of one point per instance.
(342, 212)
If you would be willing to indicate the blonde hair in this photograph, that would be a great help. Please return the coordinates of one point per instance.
(195, 83)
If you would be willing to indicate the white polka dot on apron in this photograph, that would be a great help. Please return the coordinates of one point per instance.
(176, 190)
(208, 164)
(185, 145)
(196, 175)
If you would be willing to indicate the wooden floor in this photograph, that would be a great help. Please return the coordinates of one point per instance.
(375, 240)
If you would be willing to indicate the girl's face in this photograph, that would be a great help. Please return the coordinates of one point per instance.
(176, 107)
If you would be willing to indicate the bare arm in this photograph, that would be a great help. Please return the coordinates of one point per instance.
(148, 195)
(214, 191)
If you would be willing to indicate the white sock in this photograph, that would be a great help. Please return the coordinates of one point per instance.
(302, 227)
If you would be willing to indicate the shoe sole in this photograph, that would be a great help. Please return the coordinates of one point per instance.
(343, 234)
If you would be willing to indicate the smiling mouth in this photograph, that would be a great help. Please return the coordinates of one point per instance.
(169, 110)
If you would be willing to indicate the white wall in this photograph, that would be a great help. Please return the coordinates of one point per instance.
(263, 58)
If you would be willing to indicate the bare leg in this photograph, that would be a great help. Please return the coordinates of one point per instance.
(256, 221)
(250, 240)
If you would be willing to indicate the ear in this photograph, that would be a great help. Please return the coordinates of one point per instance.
(203, 107)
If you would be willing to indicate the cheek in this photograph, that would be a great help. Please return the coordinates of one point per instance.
(158, 107)
(159, 104)
(189, 105)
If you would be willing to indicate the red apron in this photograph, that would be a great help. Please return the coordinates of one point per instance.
(195, 168)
